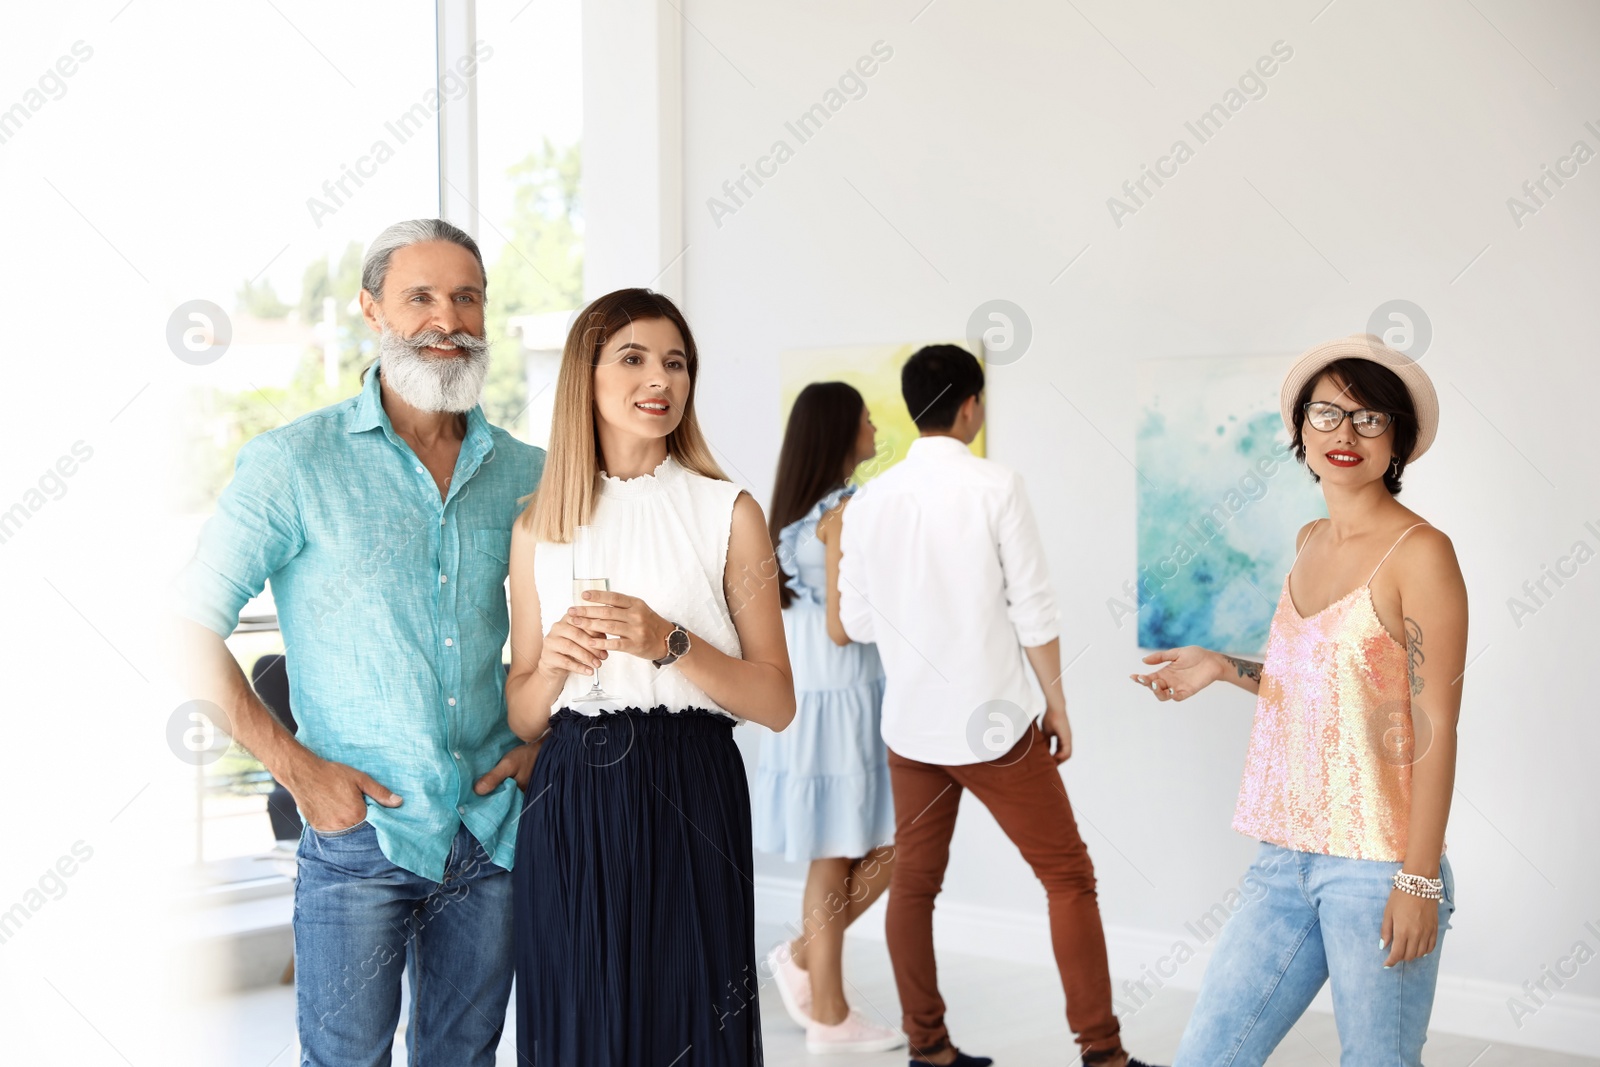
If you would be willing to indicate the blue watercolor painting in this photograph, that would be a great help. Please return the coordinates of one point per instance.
(1220, 497)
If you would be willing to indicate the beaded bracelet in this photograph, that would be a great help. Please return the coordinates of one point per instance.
(1418, 886)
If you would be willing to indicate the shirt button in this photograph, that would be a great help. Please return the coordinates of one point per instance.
(448, 642)
(457, 755)
(443, 579)
(452, 702)
(419, 470)
(461, 809)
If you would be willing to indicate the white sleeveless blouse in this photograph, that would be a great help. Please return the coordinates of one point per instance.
(665, 537)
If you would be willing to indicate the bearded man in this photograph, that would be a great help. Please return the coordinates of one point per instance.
(384, 525)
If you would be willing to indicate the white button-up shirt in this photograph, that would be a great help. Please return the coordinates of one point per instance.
(943, 568)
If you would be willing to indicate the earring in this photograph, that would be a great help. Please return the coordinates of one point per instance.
(1396, 466)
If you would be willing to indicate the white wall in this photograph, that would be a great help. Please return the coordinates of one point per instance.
(632, 167)
(1377, 166)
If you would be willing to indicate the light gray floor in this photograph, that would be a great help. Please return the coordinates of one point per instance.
(1009, 1011)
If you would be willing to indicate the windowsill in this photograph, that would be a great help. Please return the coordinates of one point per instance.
(243, 878)
(239, 898)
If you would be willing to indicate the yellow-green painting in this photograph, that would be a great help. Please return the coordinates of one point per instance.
(874, 370)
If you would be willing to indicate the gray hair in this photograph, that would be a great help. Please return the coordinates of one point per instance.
(375, 268)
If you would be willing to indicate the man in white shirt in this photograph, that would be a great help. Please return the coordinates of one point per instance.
(943, 568)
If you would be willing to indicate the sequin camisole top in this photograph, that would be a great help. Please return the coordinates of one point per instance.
(1329, 765)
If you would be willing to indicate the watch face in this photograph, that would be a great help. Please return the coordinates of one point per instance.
(677, 643)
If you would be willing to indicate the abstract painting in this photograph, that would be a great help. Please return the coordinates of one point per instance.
(875, 372)
(1220, 498)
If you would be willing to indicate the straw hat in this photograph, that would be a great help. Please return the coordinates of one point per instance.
(1369, 347)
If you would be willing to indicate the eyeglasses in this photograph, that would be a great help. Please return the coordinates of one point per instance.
(1326, 417)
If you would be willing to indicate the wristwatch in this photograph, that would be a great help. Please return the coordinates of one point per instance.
(677, 646)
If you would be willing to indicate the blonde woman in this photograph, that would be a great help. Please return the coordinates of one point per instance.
(633, 899)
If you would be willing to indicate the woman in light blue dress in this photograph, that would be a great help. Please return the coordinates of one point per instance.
(822, 786)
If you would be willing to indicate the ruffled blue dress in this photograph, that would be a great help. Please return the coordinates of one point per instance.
(822, 785)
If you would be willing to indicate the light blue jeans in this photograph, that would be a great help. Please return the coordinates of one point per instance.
(359, 920)
(1310, 918)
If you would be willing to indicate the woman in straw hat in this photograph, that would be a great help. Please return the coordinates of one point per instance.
(1352, 755)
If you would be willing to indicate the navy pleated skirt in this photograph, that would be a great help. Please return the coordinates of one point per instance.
(634, 903)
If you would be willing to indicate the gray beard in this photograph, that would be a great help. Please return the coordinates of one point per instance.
(430, 383)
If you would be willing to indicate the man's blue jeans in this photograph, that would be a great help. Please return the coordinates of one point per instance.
(1311, 918)
(358, 919)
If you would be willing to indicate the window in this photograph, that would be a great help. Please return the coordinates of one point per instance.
(530, 222)
(401, 111)
(333, 134)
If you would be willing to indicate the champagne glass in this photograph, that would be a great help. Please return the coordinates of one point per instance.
(589, 572)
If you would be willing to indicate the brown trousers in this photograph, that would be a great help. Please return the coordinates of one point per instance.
(1024, 792)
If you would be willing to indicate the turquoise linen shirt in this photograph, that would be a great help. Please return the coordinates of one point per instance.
(392, 606)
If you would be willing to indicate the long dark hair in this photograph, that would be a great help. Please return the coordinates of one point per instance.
(1371, 385)
(821, 435)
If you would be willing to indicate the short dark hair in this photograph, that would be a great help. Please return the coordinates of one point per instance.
(936, 381)
(1371, 385)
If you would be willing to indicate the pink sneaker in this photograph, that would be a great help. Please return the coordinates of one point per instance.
(794, 984)
(855, 1034)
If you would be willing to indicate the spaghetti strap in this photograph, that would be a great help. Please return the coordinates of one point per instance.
(1389, 553)
(1302, 547)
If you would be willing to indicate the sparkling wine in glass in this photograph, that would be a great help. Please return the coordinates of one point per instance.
(588, 570)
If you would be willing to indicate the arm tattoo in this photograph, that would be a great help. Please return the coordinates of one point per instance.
(1414, 656)
(1246, 668)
